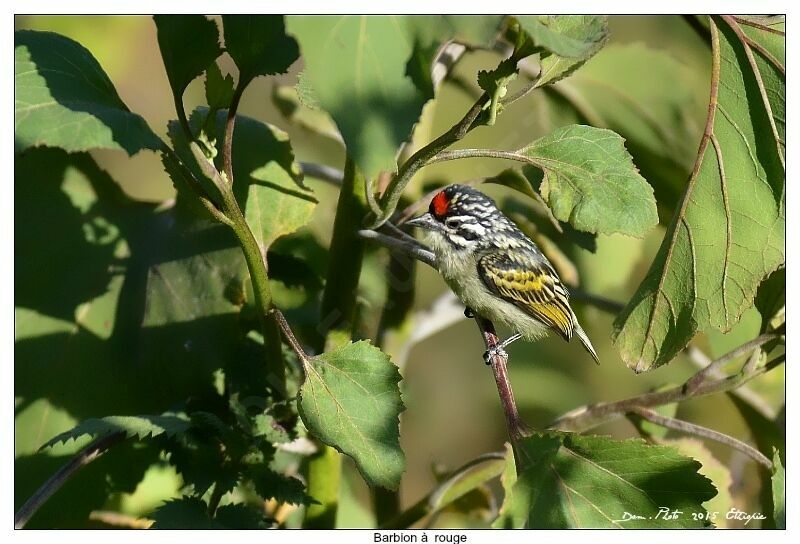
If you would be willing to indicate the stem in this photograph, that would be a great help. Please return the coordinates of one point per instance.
(323, 471)
(703, 432)
(517, 429)
(230, 122)
(324, 474)
(419, 159)
(431, 502)
(213, 501)
(169, 156)
(256, 260)
(344, 271)
(182, 117)
(91, 452)
(486, 153)
(289, 335)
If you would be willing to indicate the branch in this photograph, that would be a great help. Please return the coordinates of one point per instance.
(601, 303)
(755, 24)
(703, 432)
(418, 251)
(323, 172)
(587, 417)
(91, 452)
(517, 429)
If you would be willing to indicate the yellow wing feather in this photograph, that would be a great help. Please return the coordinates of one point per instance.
(532, 285)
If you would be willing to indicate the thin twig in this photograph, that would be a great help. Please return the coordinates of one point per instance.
(704, 432)
(717, 364)
(91, 452)
(743, 392)
(322, 172)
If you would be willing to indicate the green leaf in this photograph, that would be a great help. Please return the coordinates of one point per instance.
(728, 233)
(357, 68)
(63, 98)
(778, 491)
(241, 516)
(183, 513)
(591, 182)
(570, 36)
(474, 30)
(267, 426)
(139, 427)
(272, 485)
(661, 130)
(495, 82)
(295, 110)
(572, 481)
(188, 43)
(572, 40)
(771, 298)
(714, 470)
(258, 45)
(219, 89)
(350, 400)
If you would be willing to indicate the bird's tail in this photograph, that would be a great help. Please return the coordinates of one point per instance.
(586, 342)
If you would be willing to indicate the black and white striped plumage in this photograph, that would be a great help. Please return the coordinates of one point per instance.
(494, 268)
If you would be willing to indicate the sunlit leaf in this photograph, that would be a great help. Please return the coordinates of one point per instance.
(566, 480)
(728, 233)
(63, 98)
(591, 182)
(350, 400)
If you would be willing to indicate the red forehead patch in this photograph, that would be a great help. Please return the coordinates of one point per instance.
(439, 204)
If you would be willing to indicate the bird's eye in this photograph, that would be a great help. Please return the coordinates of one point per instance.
(452, 223)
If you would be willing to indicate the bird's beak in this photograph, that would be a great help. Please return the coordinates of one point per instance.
(424, 221)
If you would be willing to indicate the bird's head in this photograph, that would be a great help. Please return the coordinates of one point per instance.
(459, 219)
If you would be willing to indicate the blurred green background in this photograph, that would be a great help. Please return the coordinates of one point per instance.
(453, 413)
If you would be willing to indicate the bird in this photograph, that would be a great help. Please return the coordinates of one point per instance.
(496, 270)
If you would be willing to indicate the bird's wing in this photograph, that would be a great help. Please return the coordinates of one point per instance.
(530, 283)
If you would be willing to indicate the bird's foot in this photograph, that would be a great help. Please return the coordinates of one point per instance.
(490, 353)
(468, 313)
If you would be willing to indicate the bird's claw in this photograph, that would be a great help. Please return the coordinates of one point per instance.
(490, 353)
